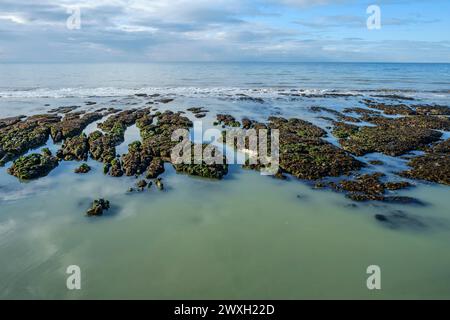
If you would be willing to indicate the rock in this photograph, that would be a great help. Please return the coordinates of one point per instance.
(97, 207)
(33, 166)
(84, 168)
(198, 111)
(18, 136)
(381, 217)
(305, 155)
(157, 137)
(72, 125)
(388, 139)
(165, 100)
(155, 168)
(75, 148)
(227, 120)
(159, 184)
(369, 187)
(141, 184)
(212, 171)
(376, 162)
(138, 158)
(399, 219)
(339, 115)
(102, 147)
(434, 166)
(65, 109)
(116, 168)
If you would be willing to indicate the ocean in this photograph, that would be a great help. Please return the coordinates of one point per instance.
(245, 237)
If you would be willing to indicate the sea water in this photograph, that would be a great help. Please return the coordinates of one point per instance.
(245, 237)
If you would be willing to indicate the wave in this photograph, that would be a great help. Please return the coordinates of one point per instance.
(219, 92)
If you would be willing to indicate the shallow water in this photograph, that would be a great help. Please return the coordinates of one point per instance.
(248, 236)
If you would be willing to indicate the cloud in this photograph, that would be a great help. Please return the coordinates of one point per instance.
(157, 30)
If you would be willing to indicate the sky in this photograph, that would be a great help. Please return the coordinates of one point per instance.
(223, 30)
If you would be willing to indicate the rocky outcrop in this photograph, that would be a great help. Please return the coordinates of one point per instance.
(33, 166)
(98, 207)
(75, 148)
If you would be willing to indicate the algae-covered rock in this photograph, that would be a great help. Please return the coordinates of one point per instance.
(84, 168)
(33, 166)
(433, 166)
(72, 125)
(390, 139)
(75, 148)
(155, 168)
(137, 159)
(203, 168)
(97, 207)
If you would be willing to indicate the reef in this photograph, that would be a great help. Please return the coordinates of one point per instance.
(204, 168)
(433, 166)
(75, 148)
(391, 137)
(34, 165)
(17, 136)
(72, 124)
(369, 187)
(305, 155)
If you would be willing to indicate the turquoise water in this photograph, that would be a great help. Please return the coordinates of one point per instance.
(246, 237)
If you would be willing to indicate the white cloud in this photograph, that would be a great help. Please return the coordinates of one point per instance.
(15, 18)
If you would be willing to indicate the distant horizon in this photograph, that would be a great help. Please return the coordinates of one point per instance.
(212, 62)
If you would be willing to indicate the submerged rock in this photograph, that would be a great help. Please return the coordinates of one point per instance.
(398, 219)
(141, 184)
(84, 168)
(97, 207)
(369, 187)
(434, 166)
(33, 166)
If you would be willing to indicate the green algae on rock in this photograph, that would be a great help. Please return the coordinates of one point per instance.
(202, 167)
(98, 207)
(72, 124)
(433, 166)
(33, 166)
(390, 139)
(75, 148)
(305, 155)
(369, 187)
(19, 136)
(84, 168)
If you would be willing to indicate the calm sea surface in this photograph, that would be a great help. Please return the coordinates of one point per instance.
(248, 236)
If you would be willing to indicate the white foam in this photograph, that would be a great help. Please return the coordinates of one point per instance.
(218, 92)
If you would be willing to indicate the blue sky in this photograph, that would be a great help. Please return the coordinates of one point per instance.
(224, 30)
